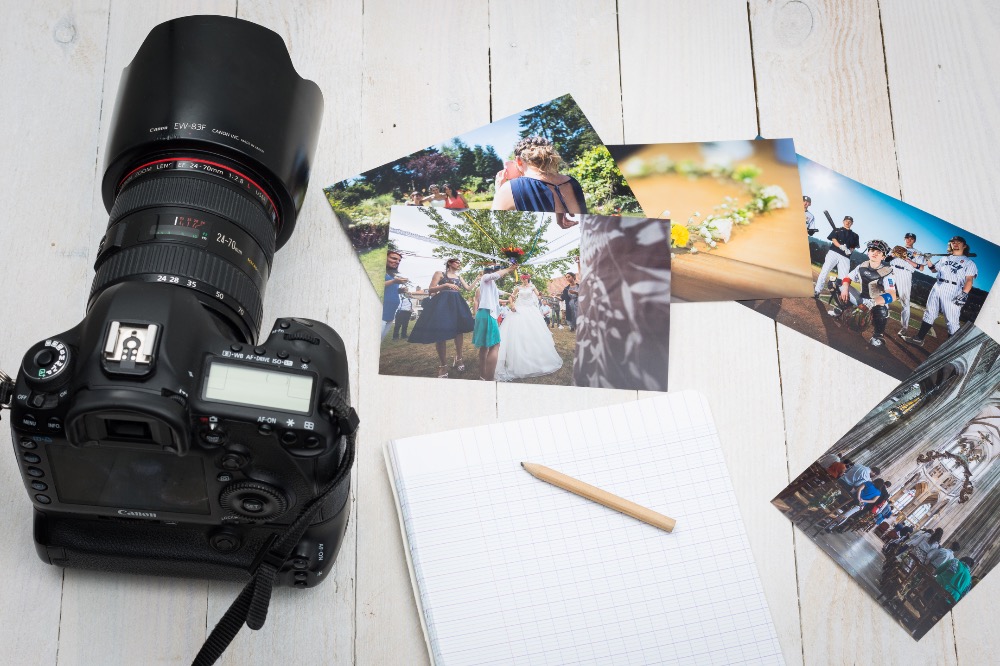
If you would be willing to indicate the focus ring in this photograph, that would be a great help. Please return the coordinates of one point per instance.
(188, 263)
(203, 193)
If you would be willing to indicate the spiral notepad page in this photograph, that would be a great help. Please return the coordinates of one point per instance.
(508, 569)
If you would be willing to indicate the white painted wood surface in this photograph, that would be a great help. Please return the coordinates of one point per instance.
(900, 94)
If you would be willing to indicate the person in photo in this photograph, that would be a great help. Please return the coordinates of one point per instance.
(526, 345)
(453, 198)
(955, 274)
(486, 336)
(403, 313)
(903, 268)
(878, 289)
(838, 257)
(446, 316)
(532, 181)
(811, 227)
(390, 299)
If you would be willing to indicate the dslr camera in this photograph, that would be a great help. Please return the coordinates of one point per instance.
(158, 436)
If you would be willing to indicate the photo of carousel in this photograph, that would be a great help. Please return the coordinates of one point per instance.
(907, 501)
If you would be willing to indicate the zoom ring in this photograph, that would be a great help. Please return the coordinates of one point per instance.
(201, 193)
(188, 263)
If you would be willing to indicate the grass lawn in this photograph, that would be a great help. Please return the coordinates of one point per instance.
(373, 261)
(399, 357)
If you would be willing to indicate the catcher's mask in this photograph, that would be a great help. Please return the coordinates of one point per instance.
(859, 319)
(879, 245)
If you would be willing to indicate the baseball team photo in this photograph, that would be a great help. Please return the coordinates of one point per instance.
(517, 296)
(890, 282)
(736, 228)
(545, 159)
(906, 502)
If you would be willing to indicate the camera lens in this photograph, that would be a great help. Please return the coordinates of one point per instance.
(208, 158)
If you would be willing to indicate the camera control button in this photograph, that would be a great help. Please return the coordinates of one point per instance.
(253, 505)
(213, 435)
(236, 348)
(265, 429)
(38, 485)
(43, 499)
(283, 324)
(289, 437)
(233, 461)
(44, 358)
(35, 472)
(37, 400)
(32, 458)
(29, 420)
(301, 583)
(301, 575)
(225, 541)
(299, 563)
(282, 354)
(312, 441)
(305, 359)
(54, 424)
(28, 443)
(260, 351)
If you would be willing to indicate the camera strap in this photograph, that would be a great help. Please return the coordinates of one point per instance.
(250, 607)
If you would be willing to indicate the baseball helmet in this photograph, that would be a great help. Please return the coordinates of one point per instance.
(807, 198)
(879, 245)
(910, 235)
(961, 240)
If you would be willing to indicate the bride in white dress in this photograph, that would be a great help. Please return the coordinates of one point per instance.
(526, 346)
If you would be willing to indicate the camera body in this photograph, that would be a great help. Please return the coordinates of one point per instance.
(151, 441)
(156, 436)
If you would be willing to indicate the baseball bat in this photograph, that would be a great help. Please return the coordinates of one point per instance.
(948, 254)
(829, 218)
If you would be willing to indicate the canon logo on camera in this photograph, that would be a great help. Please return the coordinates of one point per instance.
(136, 514)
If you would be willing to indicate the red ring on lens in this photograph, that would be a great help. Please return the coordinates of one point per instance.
(263, 192)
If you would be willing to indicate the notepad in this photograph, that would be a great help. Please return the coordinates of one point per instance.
(507, 569)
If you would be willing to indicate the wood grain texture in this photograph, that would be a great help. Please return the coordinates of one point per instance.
(820, 78)
(530, 62)
(920, 119)
(686, 71)
(942, 64)
(426, 79)
(50, 64)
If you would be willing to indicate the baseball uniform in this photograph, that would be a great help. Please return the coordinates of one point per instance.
(839, 258)
(951, 274)
(903, 274)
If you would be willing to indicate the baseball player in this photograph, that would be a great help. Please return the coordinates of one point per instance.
(902, 271)
(844, 242)
(811, 227)
(878, 288)
(951, 291)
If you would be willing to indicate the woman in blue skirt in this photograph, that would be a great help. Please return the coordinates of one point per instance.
(446, 316)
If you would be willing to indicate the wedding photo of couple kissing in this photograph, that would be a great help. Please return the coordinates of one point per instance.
(514, 296)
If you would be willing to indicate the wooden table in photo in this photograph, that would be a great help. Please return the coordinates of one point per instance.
(899, 94)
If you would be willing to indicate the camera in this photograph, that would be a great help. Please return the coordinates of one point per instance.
(158, 436)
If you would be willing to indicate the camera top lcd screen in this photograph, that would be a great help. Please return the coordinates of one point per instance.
(254, 387)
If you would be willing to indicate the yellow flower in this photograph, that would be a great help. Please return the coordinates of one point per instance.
(679, 235)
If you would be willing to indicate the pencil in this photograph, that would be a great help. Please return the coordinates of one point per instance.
(602, 497)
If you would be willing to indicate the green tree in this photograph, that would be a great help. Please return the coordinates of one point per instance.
(602, 181)
(488, 232)
(562, 122)
(486, 163)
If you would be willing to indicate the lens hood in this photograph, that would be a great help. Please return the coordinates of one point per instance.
(207, 86)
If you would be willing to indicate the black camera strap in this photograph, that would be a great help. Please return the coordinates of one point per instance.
(250, 607)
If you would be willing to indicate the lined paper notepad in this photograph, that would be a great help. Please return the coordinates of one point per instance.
(508, 569)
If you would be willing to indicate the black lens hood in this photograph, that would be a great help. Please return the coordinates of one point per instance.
(203, 86)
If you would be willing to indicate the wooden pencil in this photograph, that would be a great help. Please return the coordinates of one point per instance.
(602, 497)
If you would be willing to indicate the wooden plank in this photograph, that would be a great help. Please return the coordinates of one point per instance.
(530, 62)
(50, 113)
(942, 64)
(687, 75)
(821, 79)
(686, 71)
(425, 78)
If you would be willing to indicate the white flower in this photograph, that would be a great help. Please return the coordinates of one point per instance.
(780, 199)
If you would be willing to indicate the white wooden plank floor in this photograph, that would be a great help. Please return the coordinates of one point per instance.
(899, 94)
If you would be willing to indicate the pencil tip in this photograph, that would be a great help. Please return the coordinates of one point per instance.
(522, 464)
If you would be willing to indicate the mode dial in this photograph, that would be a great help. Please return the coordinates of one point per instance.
(46, 361)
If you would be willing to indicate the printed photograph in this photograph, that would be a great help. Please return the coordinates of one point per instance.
(736, 227)
(907, 501)
(545, 159)
(890, 281)
(515, 296)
